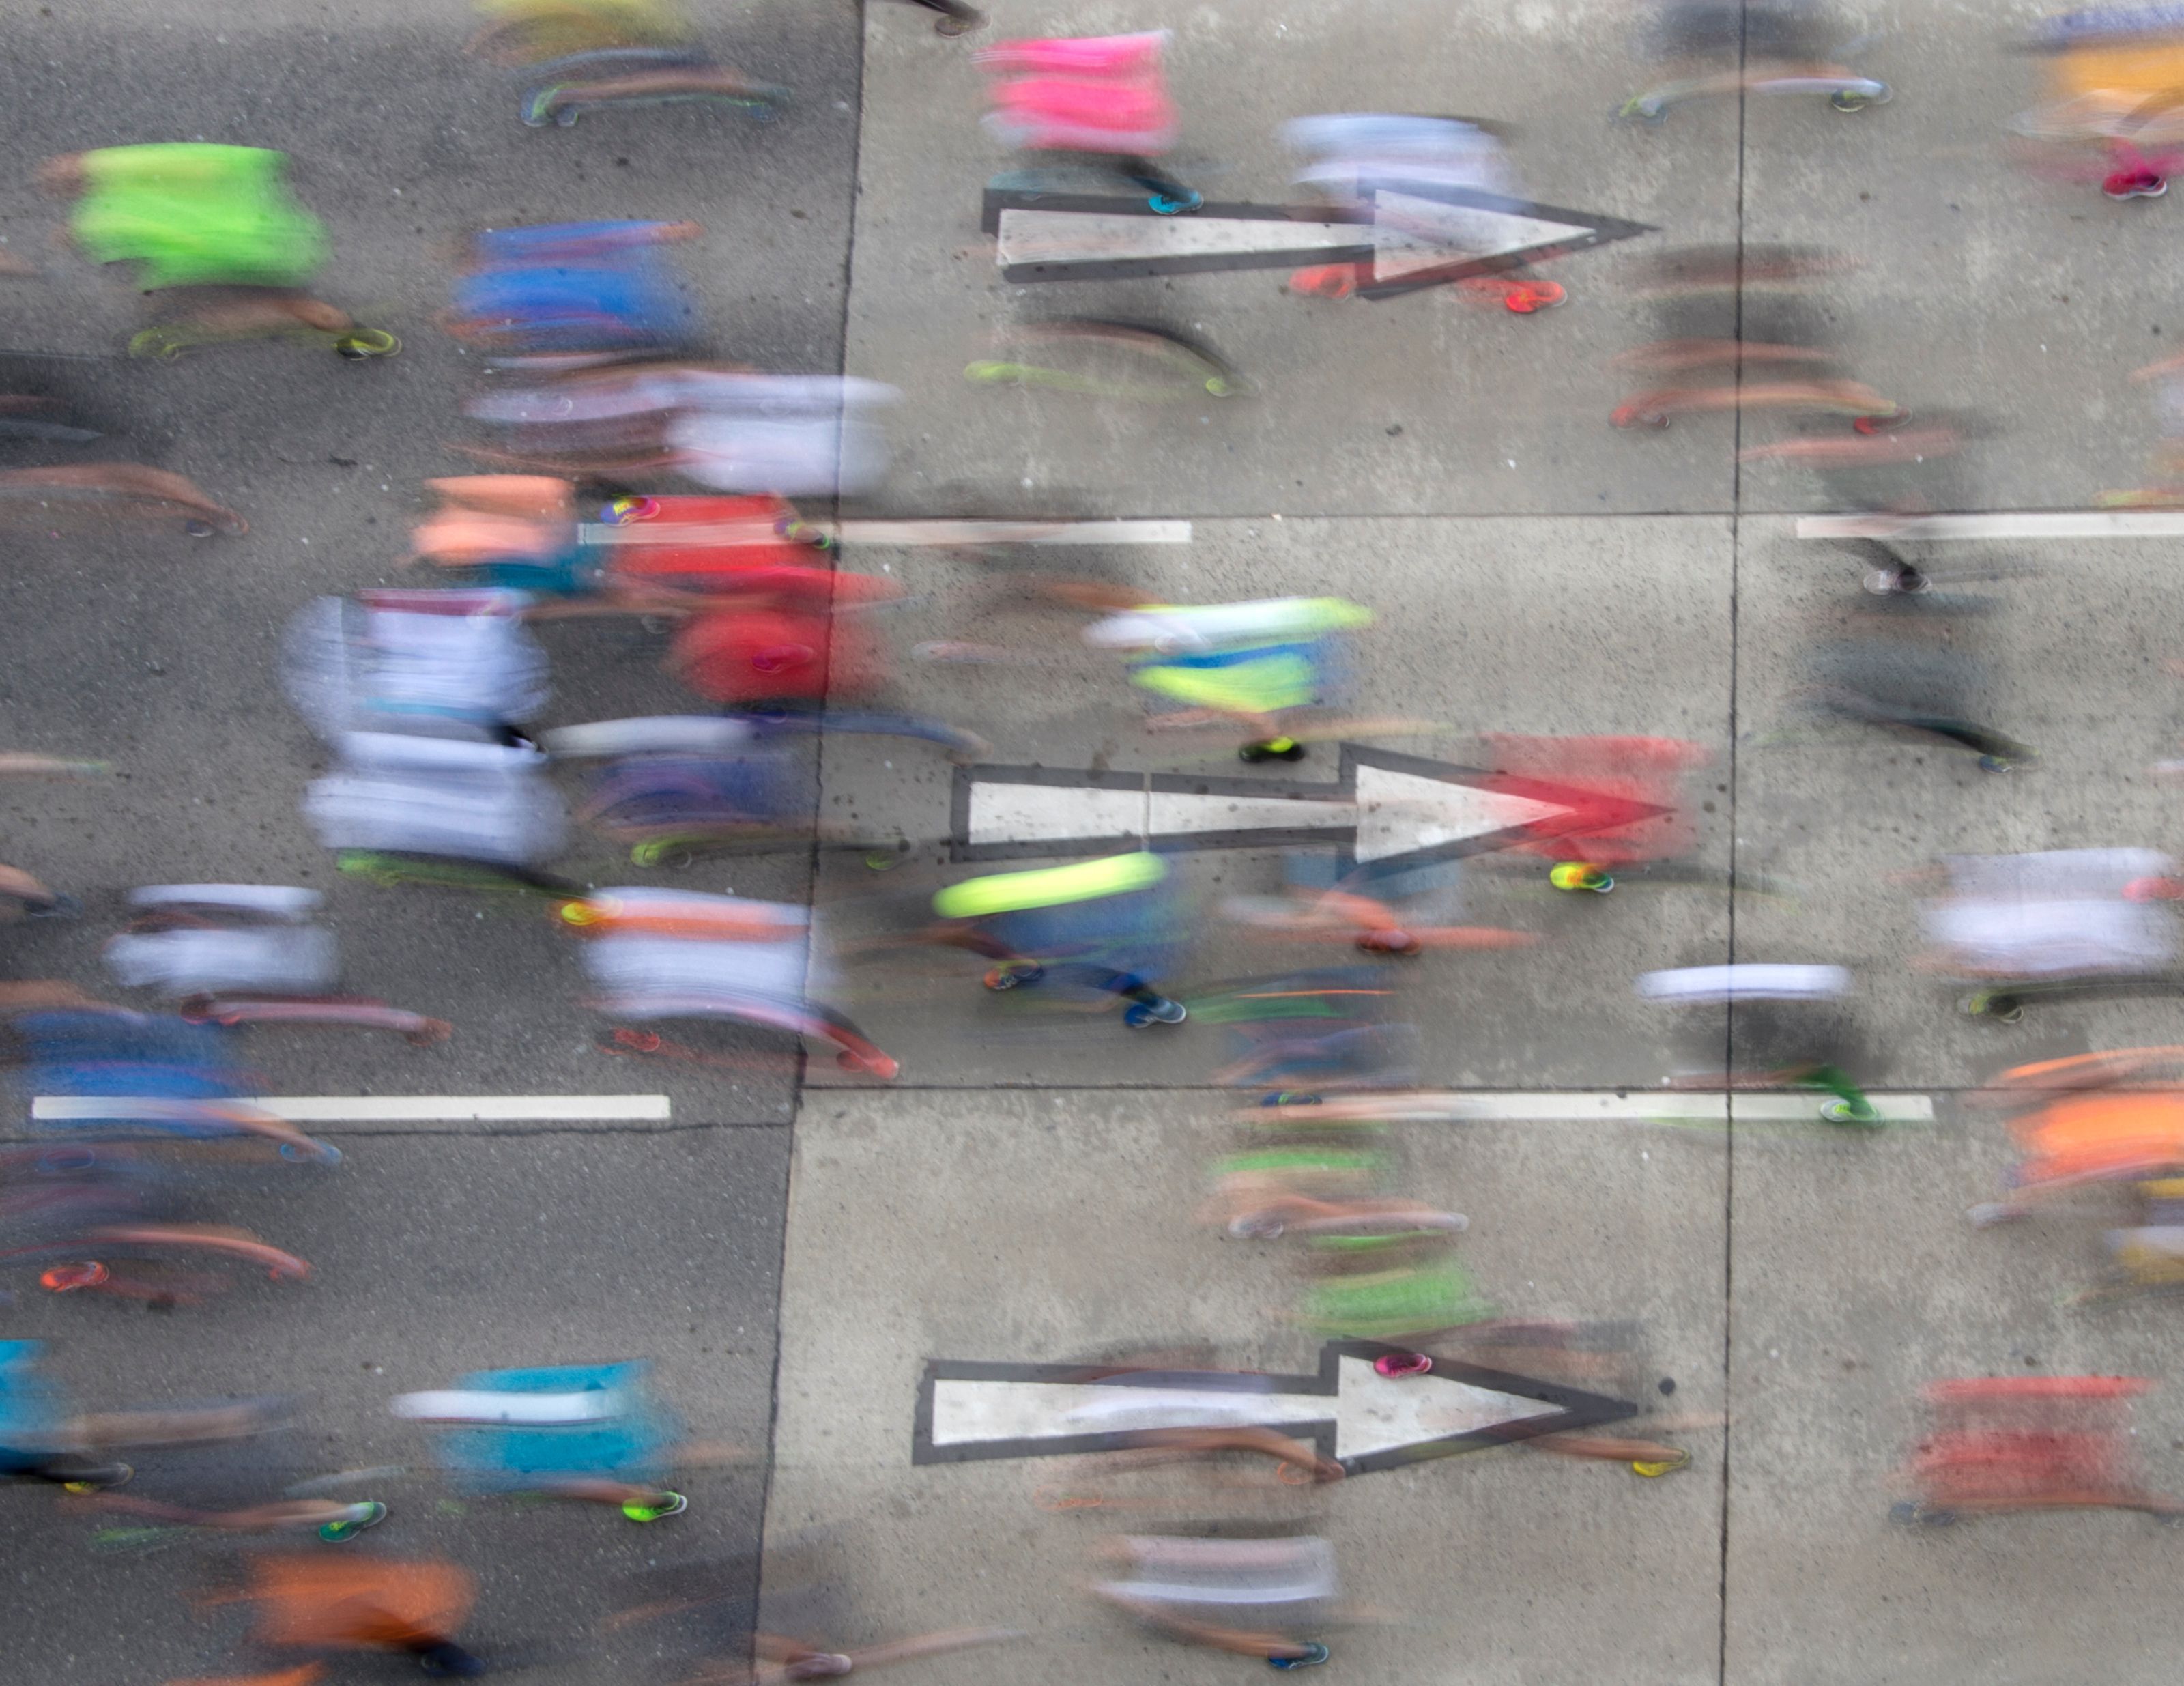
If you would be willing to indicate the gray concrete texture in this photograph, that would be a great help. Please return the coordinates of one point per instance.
(1509, 1564)
(1440, 654)
(1963, 263)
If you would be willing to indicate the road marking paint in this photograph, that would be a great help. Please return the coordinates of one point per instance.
(2028, 524)
(1382, 806)
(896, 533)
(1027, 237)
(972, 1411)
(1411, 239)
(1413, 235)
(1635, 1106)
(381, 1109)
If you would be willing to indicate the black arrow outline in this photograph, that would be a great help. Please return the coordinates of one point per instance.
(1575, 1408)
(1344, 790)
(1600, 231)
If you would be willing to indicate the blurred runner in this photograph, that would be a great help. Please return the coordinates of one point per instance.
(1110, 926)
(1395, 1282)
(345, 1602)
(110, 1073)
(1104, 97)
(238, 953)
(674, 787)
(1330, 1028)
(44, 1438)
(98, 1214)
(594, 323)
(517, 532)
(2028, 1443)
(2165, 486)
(956, 17)
(1772, 1025)
(1103, 358)
(1305, 1170)
(794, 435)
(2117, 1115)
(218, 240)
(1741, 330)
(2055, 922)
(1255, 1598)
(2115, 110)
(1893, 477)
(574, 553)
(21, 895)
(733, 429)
(1907, 665)
(709, 1614)
(1632, 814)
(578, 54)
(127, 487)
(589, 1431)
(456, 665)
(332, 1519)
(1384, 907)
(402, 809)
(550, 297)
(659, 954)
(2069, 1141)
(799, 652)
(1271, 666)
(1600, 1357)
(1711, 48)
(1349, 157)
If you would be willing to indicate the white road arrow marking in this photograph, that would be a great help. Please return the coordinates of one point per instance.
(1411, 235)
(1002, 814)
(409, 1111)
(1174, 813)
(1371, 1412)
(1363, 1420)
(1398, 813)
(1392, 814)
(1058, 236)
(1409, 239)
(1384, 807)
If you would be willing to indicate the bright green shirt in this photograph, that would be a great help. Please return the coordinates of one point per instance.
(193, 215)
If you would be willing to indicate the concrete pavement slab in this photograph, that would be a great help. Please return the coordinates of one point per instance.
(1430, 404)
(1827, 1354)
(1979, 285)
(2068, 657)
(1091, 1253)
(1858, 1281)
(1465, 609)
